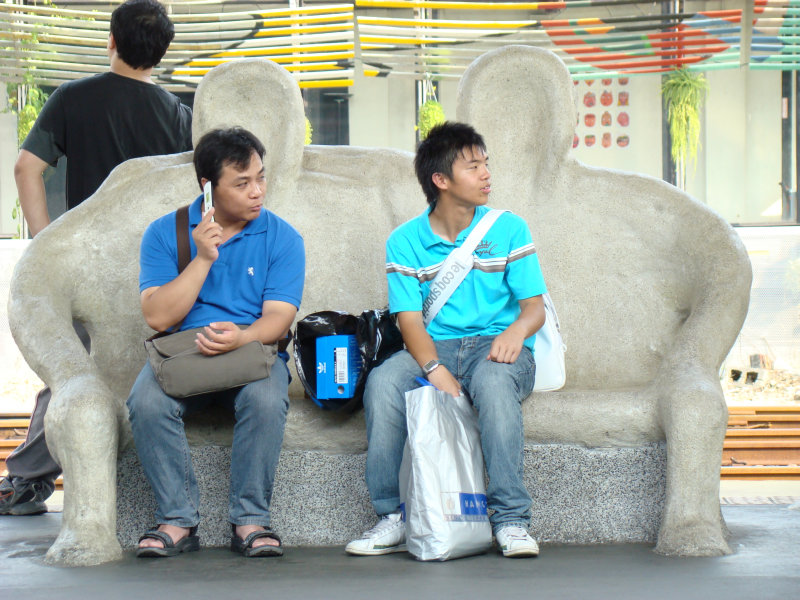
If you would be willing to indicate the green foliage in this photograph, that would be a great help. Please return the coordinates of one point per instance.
(431, 114)
(16, 214)
(33, 101)
(684, 92)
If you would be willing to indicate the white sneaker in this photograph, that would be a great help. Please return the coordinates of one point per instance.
(515, 541)
(388, 536)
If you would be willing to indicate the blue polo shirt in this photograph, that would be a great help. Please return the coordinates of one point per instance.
(264, 261)
(505, 270)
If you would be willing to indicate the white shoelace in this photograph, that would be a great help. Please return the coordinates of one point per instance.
(516, 533)
(387, 523)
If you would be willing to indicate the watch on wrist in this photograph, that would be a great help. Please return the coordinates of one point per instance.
(429, 366)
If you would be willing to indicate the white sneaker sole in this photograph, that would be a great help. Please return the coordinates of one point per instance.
(521, 553)
(376, 551)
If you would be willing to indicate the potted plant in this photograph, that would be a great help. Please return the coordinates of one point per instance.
(684, 92)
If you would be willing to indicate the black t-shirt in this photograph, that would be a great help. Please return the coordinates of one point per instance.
(101, 121)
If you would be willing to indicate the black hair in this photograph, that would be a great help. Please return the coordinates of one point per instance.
(437, 153)
(142, 32)
(221, 147)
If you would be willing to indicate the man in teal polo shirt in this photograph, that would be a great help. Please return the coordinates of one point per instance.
(247, 268)
(481, 340)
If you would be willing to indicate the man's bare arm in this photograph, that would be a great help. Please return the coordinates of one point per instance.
(166, 305)
(30, 186)
(507, 346)
(275, 321)
(420, 345)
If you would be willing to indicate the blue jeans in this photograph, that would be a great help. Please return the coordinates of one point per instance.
(157, 421)
(496, 391)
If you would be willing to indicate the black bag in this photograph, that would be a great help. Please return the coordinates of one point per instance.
(377, 337)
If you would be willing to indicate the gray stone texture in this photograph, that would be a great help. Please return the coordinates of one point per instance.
(580, 495)
(651, 286)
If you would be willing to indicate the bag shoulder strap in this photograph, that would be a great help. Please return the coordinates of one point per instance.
(484, 225)
(456, 267)
(182, 237)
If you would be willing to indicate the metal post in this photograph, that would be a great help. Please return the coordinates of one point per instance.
(795, 207)
(667, 164)
(787, 186)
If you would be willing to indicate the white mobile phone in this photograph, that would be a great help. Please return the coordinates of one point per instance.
(208, 201)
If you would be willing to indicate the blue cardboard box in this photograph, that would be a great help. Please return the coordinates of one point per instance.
(338, 366)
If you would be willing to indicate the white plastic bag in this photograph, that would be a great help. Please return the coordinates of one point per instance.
(441, 478)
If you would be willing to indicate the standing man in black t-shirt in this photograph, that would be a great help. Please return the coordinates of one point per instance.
(101, 121)
(97, 123)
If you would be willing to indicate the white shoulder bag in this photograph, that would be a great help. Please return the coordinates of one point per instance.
(548, 348)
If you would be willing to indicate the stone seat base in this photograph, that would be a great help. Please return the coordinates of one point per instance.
(580, 495)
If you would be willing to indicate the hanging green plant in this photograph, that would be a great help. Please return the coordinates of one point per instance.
(431, 114)
(684, 92)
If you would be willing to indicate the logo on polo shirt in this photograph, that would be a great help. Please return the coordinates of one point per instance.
(250, 271)
(486, 248)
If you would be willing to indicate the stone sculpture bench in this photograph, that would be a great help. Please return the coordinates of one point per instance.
(651, 286)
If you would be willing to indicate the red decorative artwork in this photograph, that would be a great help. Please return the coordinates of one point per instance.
(588, 99)
(623, 119)
(588, 119)
(606, 142)
(575, 141)
(623, 81)
(606, 81)
(606, 98)
(605, 119)
(622, 99)
(623, 141)
(589, 140)
(589, 81)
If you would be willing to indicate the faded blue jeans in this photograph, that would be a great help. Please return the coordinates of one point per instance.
(496, 391)
(157, 420)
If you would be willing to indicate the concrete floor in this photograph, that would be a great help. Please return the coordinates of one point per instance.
(765, 565)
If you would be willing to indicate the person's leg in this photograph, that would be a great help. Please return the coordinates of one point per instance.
(31, 460)
(497, 391)
(260, 409)
(32, 471)
(385, 413)
(157, 424)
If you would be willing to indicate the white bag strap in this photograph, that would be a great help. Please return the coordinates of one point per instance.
(456, 267)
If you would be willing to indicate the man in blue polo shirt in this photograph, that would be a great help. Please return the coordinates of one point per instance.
(247, 268)
(481, 340)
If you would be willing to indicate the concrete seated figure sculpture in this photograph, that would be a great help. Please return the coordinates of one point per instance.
(651, 287)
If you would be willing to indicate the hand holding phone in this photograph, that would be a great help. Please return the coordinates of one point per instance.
(208, 201)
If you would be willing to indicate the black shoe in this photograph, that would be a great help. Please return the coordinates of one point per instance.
(21, 497)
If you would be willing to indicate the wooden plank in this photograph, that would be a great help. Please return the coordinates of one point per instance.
(765, 420)
(760, 410)
(760, 472)
(14, 423)
(762, 433)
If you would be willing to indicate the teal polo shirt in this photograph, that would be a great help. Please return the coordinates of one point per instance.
(505, 270)
(264, 261)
